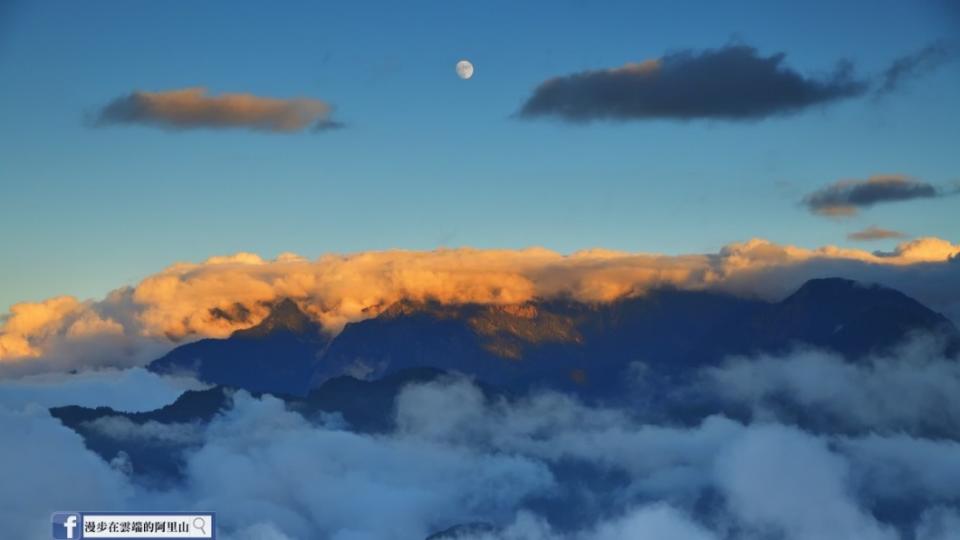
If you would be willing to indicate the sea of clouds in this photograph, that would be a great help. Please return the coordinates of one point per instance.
(814, 448)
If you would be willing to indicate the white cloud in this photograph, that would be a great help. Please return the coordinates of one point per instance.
(781, 479)
(459, 456)
(258, 531)
(939, 523)
(914, 389)
(261, 460)
(127, 390)
(122, 429)
(656, 521)
(902, 468)
(46, 468)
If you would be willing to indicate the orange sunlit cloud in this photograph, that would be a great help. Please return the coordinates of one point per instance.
(223, 294)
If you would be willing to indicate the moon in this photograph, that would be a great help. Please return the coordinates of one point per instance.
(464, 69)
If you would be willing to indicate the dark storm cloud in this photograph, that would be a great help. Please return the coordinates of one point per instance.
(844, 198)
(875, 233)
(193, 108)
(913, 65)
(729, 83)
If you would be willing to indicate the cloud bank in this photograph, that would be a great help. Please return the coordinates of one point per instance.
(847, 197)
(135, 324)
(126, 390)
(543, 466)
(912, 390)
(193, 108)
(731, 83)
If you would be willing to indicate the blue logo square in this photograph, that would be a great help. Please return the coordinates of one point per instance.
(66, 526)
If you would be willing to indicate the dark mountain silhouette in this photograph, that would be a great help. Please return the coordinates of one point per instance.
(278, 355)
(848, 317)
(594, 350)
(154, 460)
(366, 406)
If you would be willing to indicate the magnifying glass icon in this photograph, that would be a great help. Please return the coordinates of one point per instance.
(200, 524)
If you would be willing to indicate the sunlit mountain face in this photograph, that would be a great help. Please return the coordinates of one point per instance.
(481, 271)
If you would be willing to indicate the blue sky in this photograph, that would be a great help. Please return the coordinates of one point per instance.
(427, 159)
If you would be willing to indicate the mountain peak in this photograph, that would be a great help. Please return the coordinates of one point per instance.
(854, 318)
(277, 355)
(840, 290)
(285, 315)
(833, 284)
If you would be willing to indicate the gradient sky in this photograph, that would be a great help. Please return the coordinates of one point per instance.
(428, 160)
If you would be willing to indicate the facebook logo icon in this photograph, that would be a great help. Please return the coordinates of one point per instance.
(66, 526)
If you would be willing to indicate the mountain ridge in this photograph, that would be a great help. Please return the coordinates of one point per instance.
(574, 346)
(276, 355)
